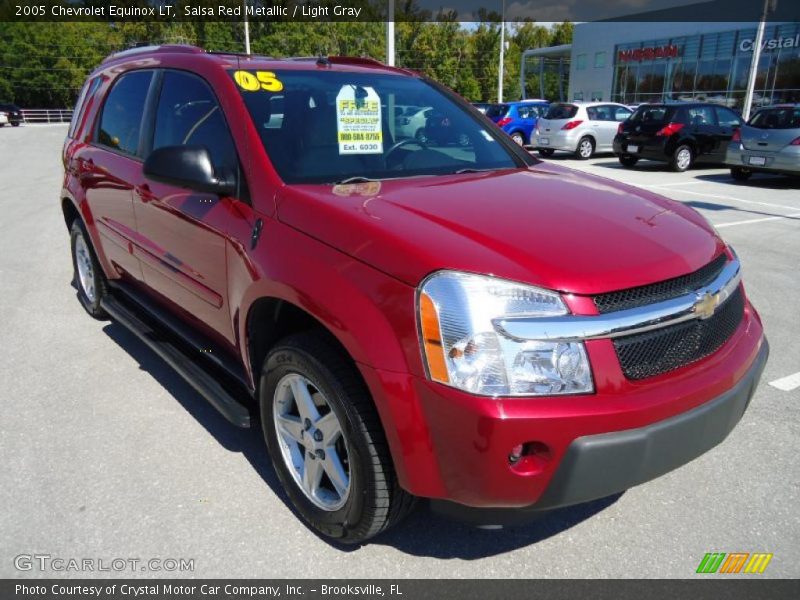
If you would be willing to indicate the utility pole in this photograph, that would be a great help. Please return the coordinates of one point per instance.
(769, 5)
(246, 31)
(390, 35)
(502, 52)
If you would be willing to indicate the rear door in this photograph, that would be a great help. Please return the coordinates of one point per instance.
(110, 166)
(182, 231)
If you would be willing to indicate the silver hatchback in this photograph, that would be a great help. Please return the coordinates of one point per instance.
(770, 142)
(579, 127)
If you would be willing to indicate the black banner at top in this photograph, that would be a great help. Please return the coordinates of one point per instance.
(404, 10)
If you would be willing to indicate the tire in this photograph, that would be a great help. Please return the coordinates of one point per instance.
(682, 159)
(740, 174)
(546, 152)
(585, 148)
(372, 500)
(422, 136)
(88, 277)
(2, 124)
(626, 160)
(518, 137)
(15, 124)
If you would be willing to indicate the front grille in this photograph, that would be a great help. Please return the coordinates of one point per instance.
(663, 290)
(655, 352)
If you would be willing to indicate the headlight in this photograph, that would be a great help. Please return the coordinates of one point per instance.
(463, 349)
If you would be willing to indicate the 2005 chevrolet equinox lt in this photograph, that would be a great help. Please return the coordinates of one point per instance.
(451, 320)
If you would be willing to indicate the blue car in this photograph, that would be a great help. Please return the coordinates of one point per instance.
(518, 119)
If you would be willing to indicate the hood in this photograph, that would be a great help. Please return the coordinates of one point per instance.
(546, 225)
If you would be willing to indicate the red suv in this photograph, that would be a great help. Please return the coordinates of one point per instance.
(458, 322)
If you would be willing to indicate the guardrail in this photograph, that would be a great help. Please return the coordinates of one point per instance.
(46, 115)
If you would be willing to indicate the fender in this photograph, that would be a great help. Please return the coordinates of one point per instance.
(370, 313)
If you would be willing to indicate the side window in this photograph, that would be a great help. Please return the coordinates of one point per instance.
(524, 112)
(188, 114)
(121, 121)
(728, 118)
(592, 112)
(702, 115)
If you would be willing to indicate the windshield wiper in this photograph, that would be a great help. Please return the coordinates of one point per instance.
(472, 170)
(355, 179)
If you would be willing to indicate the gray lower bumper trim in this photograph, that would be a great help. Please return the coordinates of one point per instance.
(596, 466)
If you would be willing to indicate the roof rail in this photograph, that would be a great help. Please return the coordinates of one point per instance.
(171, 48)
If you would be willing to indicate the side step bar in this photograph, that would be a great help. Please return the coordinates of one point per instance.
(194, 375)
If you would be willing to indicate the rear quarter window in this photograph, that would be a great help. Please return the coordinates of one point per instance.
(84, 101)
(561, 111)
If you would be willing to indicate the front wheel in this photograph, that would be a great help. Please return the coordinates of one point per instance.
(626, 160)
(87, 275)
(546, 152)
(326, 441)
(740, 174)
(585, 148)
(682, 159)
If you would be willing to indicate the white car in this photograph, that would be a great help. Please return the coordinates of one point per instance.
(411, 123)
(3, 119)
(579, 127)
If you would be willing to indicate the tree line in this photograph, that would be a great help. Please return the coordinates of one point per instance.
(44, 65)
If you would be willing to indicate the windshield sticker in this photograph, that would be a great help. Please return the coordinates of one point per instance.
(358, 120)
(260, 80)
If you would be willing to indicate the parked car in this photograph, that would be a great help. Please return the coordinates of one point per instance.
(518, 119)
(3, 119)
(769, 143)
(13, 114)
(579, 127)
(678, 134)
(481, 106)
(410, 123)
(470, 325)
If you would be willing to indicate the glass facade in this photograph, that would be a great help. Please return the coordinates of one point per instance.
(710, 67)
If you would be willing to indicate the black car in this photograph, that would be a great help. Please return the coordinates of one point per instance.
(678, 134)
(13, 113)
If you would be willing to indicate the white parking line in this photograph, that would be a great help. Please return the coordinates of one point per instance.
(787, 384)
(749, 221)
(730, 198)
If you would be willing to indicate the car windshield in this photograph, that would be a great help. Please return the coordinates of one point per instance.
(561, 111)
(651, 114)
(777, 118)
(497, 110)
(335, 127)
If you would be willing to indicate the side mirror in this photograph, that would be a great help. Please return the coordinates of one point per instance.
(187, 167)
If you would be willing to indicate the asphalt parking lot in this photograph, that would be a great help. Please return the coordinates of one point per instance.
(107, 454)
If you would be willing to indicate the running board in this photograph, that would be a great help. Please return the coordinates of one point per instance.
(193, 373)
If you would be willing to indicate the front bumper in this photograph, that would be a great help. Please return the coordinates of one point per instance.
(452, 446)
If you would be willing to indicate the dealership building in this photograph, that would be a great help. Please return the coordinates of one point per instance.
(633, 62)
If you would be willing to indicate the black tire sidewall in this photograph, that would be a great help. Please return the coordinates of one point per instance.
(285, 360)
(740, 174)
(628, 161)
(546, 152)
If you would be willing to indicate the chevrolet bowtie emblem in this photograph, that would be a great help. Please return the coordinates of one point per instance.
(706, 305)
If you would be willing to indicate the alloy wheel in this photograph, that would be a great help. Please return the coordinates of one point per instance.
(312, 442)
